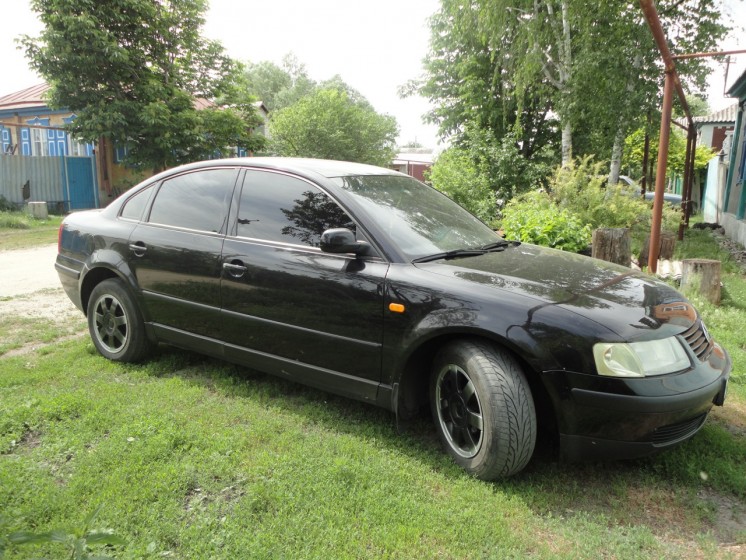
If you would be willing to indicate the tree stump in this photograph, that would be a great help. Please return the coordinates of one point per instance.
(702, 276)
(665, 248)
(613, 245)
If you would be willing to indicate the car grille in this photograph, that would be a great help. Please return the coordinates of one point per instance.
(699, 340)
(676, 432)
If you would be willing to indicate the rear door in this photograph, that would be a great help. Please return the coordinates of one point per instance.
(291, 309)
(175, 251)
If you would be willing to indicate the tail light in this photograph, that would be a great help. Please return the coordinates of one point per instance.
(59, 239)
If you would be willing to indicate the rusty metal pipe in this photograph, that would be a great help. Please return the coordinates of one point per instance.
(651, 15)
(660, 176)
(706, 54)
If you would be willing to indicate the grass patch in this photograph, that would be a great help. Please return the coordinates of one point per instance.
(16, 332)
(18, 230)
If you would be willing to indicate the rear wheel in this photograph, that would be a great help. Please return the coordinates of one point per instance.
(483, 409)
(115, 323)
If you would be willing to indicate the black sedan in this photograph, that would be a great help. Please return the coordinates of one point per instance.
(364, 282)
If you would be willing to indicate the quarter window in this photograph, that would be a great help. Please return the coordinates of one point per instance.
(197, 200)
(277, 207)
(134, 207)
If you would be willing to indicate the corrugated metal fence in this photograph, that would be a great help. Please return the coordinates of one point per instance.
(48, 178)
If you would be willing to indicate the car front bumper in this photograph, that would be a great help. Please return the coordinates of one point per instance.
(613, 418)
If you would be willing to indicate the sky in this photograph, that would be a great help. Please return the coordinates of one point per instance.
(375, 46)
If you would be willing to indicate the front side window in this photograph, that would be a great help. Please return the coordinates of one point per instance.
(277, 207)
(197, 200)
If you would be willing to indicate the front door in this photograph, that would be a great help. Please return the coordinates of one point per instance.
(287, 306)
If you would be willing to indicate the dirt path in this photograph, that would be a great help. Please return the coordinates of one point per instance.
(30, 287)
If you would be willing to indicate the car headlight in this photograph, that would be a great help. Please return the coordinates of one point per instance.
(640, 359)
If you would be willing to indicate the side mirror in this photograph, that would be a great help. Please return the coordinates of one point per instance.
(342, 240)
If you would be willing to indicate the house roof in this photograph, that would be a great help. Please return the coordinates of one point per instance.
(724, 116)
(414, 157)
(738, 89)
(25, 98)
(727, 115)
(34, 97)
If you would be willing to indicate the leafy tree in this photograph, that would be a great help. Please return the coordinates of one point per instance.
(585, 68)
(329, 124)
(132, 70)
(481, 172)
(635, 145)
(279, 86)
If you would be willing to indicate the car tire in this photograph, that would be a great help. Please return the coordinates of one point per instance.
(483, 409)
(115, 323)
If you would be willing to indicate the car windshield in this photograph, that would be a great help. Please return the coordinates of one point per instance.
(418, 219)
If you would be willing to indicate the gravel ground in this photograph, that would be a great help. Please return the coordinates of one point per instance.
(30, 287)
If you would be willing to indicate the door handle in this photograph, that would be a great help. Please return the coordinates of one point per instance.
(138, 248)
(235, 268)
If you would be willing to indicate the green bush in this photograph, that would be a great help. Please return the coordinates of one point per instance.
(6, 205)
(535, 218)
(581, 189)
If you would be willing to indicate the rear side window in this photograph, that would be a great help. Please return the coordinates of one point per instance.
(135, 206)
(277, 207)
(197, 200)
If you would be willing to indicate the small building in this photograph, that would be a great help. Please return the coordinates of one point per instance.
(734, 199)
(414, 163)
(715, 129)
(22, 116)
(716, 132)
(39, 159)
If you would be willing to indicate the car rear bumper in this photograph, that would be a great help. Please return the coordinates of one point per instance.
(617, 419)
(70, 280)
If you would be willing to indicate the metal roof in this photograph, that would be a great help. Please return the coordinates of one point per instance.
(25, 98)
(727, 115)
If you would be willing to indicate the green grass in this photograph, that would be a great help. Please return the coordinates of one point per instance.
(20, 231)
(201, 459)
(193, 458)
(16, 332)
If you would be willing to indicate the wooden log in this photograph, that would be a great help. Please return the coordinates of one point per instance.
(665, 248)
(668, 243)
(701, 276)
(613, 245)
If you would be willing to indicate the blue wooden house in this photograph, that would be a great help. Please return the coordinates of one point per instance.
(734, 203)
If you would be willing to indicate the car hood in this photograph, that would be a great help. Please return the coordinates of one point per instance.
(627, 302)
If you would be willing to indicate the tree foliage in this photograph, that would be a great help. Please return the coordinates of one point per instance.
(132, 71)
(528, 69)
(481, 173)
(279, 86)
(635, 148)
(331, 124)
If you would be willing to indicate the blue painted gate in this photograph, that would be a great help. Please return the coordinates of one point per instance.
(80, 182)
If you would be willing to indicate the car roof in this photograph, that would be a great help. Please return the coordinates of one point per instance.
(323, 167)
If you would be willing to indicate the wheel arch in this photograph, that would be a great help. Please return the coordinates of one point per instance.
(411, 398)
(96, 274)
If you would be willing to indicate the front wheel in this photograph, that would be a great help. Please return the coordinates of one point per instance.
(115, 323)
(483, 409)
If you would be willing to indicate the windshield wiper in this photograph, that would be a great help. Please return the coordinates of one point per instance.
(499, 245)
(450, 255)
